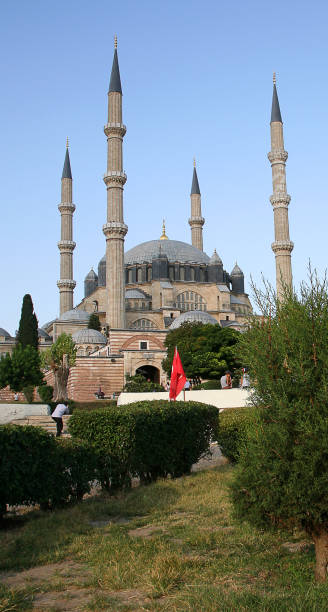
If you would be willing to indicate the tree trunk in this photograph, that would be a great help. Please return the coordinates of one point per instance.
(320, 539)
(61, 378)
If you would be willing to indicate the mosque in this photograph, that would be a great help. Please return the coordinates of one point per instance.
(141, 294)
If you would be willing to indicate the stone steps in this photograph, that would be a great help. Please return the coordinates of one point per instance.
(45, 422)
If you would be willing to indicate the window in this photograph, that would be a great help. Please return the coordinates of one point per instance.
(142, 324)
(189, 300)
(143, 345)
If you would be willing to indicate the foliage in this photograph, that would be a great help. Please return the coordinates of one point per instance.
(210, 385)
(283, 473)
(234, 424)
(29, 393)
(147, 439)
(36, 468)
(206, 351)
(94, 322)
(60, 357)
(46, 393)
(28, 325)
(139, 384)
(21, 368)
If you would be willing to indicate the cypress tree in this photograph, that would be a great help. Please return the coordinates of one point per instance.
(94, 322)
(28, 325)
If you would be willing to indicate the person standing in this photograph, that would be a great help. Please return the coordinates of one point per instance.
(57, 416)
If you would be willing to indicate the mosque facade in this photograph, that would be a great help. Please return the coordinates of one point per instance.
(140, 294)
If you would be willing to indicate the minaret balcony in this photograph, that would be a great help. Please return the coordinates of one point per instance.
(277, 156)
(115, 176)
(280, 200)
(280, 247)
(66, 246)
(66, 283)
(115, 129)
(66, 207)
(114, 229)
(196, 221)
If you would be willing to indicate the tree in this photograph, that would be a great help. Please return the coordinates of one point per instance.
(94, 322)
(282, 477)
(21, 369)
(28, 325)
(206, 351)
(60, 357)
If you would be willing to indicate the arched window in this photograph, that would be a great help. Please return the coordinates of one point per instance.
(142, 324)
(189, 300)
(192, 274)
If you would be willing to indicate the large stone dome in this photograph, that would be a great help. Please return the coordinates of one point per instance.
(75, 315)
(194, 316)
(174, 250)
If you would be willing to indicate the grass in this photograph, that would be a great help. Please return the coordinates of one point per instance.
(183, 552)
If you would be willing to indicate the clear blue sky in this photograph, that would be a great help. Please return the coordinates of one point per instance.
(197, 81)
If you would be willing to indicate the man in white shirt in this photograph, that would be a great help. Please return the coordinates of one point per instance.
(57, 416)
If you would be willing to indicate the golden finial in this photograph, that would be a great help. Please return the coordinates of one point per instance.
(115, 42)
(194, 162)
(274, 78)
(163, 236)
(67, 143)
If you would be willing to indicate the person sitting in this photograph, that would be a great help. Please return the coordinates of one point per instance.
(100, 394)
(226, 382)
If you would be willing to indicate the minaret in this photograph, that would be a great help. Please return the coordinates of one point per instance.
(66, 245)
(115, 228)
(196, 220)
(282, 246)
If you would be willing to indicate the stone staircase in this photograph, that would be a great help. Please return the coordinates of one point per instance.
(45, 422)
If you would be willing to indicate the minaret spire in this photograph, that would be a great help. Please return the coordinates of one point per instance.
(66, 245)
(196, 220)
(115, 228)
(282, 246)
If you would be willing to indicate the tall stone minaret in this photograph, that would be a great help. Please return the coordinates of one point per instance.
(115, 228)
(66, 245)
(282, 246)
(196, 220)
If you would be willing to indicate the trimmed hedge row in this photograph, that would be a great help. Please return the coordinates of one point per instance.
(234, 423)
(149, 439)
(35, 468)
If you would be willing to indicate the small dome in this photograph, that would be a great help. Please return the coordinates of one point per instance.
(135, 293)
(4, 333)
(89, 336)
(237, 271)
(193, 316)
(43, 334)
(75, 315)
(92, 275)
(215, 259)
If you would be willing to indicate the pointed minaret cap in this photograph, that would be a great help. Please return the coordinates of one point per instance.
(275, 110)
(195, 184)
(215, 259)
(163, 236)
(115, 79)
(236, 271)
(67, 173)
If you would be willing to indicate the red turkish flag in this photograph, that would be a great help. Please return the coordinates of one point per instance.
(178, 377)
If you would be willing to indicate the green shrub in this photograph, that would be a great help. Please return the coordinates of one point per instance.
(210, 384)
(147, 439)
(29, 393)
(139, 384)
(46, 393)
(35, 468)
(234, 423)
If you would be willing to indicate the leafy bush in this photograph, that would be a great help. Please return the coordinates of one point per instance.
(234, 424)
(35, 468)
(139, 384)
(29, 393)
(147, 439)
(46, 392)
(210, 384)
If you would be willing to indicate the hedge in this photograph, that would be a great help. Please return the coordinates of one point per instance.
(35, 468)
(234, 423)
(148, 439)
